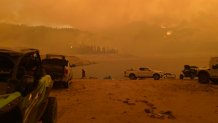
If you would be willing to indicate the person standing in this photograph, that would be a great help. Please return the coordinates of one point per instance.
(83, 74)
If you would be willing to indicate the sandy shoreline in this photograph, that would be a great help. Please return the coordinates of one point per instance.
(125, 101)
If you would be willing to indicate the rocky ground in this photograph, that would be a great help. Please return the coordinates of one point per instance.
(138, 101)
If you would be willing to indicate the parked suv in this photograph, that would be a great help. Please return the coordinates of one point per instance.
(205, 75)
(189, 71)
(143, 72)
(24, 88)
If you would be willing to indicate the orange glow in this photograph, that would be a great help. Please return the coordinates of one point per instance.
(100, 14)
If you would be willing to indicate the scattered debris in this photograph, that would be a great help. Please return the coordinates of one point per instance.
(157, 116)
(151, 110)
(148, 110)
(168, 114)
(91, 77)
(143, 101)
(169, 76)
(154, 114)
(216, 111)
(153, 107)
(161, 115)
(124, 112)
(110, 93)
(108, 77)
(150, 104)
(125, 101)
(129, 102)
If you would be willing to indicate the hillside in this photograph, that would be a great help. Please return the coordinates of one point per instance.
(194, 38)
(47, 39)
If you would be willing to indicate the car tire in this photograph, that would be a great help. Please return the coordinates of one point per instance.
(192, 76)
(215, 81)
(181, 76)
(66, 84)
(156, 76)
(203, 78)
(50, 114)
(7, 116)
(132, 77)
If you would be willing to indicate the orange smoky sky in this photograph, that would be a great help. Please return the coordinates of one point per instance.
(100, 14)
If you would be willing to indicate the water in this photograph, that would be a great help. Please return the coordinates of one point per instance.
(115, 67)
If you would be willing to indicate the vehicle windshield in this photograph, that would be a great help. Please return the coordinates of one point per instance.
(55, 61)
(6, 68)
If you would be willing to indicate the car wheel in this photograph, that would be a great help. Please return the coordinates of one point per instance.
(181, 76)
(156, 76)
(214, 80)
(50, 114)
(132, 77)
(203, 78)
(66, 84)
(192, 76)
(12, 116)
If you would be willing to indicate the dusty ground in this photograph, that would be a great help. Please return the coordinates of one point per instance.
(138, 101)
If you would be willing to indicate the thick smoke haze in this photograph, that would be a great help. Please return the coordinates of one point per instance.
(139, 27)
(101, 14)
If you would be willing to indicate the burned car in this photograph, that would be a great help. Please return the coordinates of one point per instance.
(24, 88)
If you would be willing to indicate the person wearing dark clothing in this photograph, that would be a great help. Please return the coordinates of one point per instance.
(83, 74)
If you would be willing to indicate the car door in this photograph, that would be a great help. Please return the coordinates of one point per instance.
(144, 72)
(149, 73)
(214, 67)
(30, 65)
(214, 70)
(70, 69)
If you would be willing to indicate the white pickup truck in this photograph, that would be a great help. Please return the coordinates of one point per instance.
(143, 72)
(205, 75)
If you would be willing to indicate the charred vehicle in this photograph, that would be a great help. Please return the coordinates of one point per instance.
(189, 71)
(59, 68)
(24, 88)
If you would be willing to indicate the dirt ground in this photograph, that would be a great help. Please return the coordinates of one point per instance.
(137, 101)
